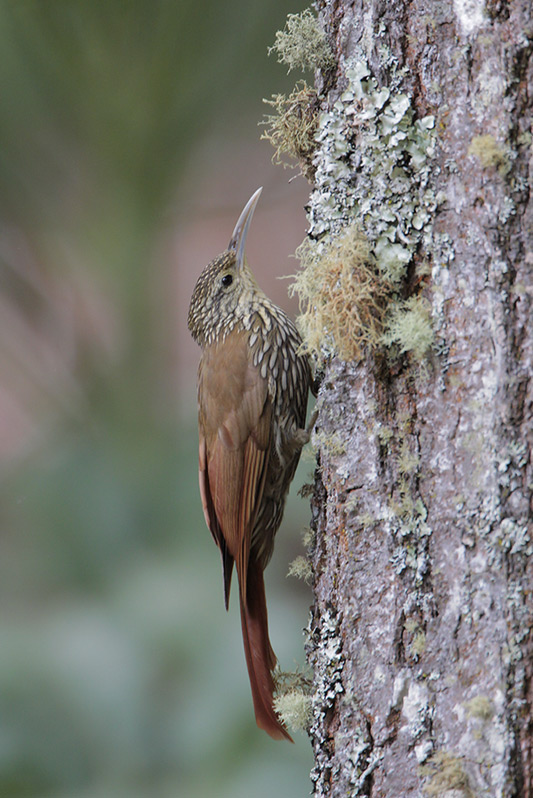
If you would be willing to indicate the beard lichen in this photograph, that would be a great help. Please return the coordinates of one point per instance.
(408, 327)
(294, 709)
(300, 567)
(293, 699)
(291, 129)
(303, 44)
(342, 295)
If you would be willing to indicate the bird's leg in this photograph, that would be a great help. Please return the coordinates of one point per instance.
(300, 437)
(312, 422)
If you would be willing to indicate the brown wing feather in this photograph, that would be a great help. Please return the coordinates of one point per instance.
(212, 521)
(234, 425)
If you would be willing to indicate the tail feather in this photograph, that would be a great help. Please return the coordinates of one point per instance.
(260, 657)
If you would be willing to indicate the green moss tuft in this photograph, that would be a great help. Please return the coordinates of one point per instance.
(408, 326)
(303, 44)
(291, 130)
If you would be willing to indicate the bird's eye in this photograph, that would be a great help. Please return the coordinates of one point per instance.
(227, 280)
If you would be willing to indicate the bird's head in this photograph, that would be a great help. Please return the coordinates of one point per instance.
(224, 290)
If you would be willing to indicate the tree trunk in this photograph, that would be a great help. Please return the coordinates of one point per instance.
(420, 636)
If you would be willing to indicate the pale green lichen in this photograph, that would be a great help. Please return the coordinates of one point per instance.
(325, 647)
(303, 44)
(300, 567)
(293, 700)
(512, 536)
(411, 534)
(328, 655)
(408, 461)
(409, 328)
(480, 707)
(373, 164)
(445, 775)
(405, 507)
(367, 520)
(518, 453)
(370, 160)
(411, 625)
(407, 512)
(384, 434)
(332, 443)
(489, 153)
(418, 646)
(308, 537)
(294, 709)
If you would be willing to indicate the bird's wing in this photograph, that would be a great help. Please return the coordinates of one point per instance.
(234, 426)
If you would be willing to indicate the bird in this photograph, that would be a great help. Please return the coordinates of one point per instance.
(253, 386)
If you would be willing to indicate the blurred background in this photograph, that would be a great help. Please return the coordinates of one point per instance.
(128, 147)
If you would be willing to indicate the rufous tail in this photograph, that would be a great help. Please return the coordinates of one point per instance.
(260, 657)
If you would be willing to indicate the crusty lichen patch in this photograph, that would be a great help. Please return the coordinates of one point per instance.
(372, 207)
(375, 166)
(480, 707)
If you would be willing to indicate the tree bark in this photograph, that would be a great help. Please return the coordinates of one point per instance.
(420, 634)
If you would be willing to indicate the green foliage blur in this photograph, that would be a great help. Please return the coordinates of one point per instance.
(120, 672)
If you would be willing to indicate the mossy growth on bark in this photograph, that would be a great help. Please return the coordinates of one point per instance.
(409, 328)
(342, 294)
(291, 129)
(371, 213)
(445, 775)
(303, 43)
(489, 153)
(293, 699)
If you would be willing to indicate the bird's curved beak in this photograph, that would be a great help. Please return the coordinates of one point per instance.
(238, 239)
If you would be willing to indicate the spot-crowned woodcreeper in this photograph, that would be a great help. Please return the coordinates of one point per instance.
(253, 385)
